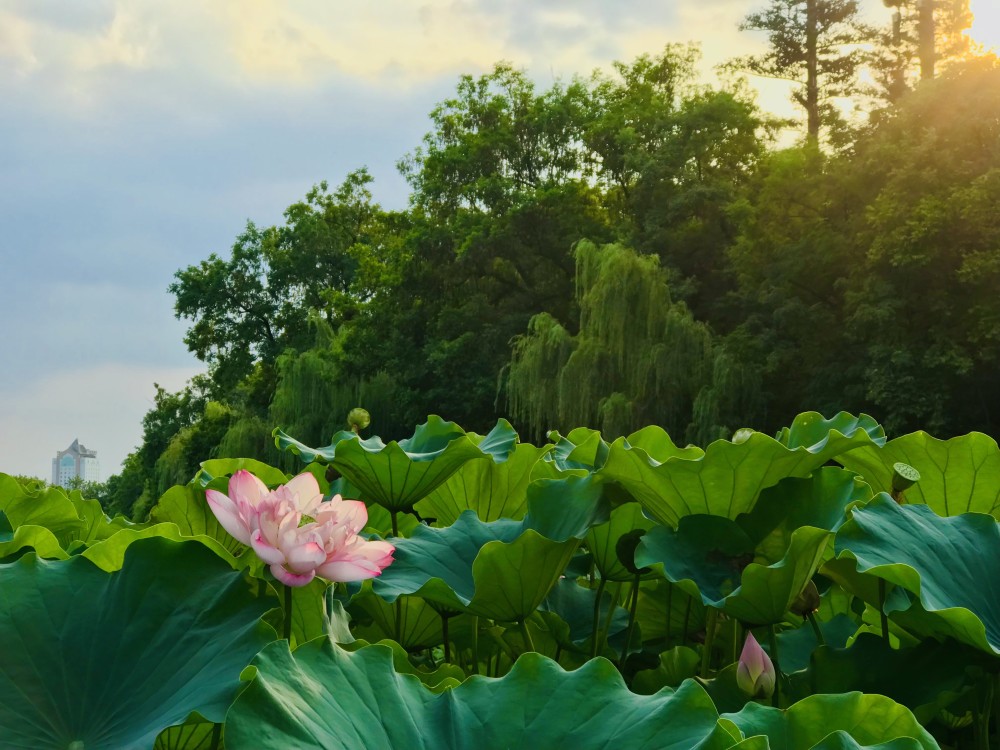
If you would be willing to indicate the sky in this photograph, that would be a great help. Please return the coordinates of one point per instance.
(137, 137)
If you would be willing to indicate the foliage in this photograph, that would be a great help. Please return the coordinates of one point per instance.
(817, 44)
(588, 603)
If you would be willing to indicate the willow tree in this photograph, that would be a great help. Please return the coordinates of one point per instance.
(639, 357)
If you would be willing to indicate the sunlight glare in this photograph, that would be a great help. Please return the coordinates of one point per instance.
(986, 26)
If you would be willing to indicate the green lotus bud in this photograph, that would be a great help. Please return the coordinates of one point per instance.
(807, 601)
(904, 476)
(358, 419)
(755, 671)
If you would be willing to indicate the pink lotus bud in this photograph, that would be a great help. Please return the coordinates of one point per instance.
(755, 672)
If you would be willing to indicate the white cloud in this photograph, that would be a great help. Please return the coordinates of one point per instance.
(102, 405)
(17, 44)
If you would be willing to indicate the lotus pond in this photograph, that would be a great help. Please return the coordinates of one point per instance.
(824, 588)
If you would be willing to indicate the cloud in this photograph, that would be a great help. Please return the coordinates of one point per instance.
(102, 405)
(140, 136)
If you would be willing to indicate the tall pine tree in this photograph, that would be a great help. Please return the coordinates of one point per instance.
(817, 45)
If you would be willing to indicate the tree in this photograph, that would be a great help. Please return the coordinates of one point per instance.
(639, 358)
(923, 304)
(815, 44)
(672, 156)
(251, 307)
(925, 37)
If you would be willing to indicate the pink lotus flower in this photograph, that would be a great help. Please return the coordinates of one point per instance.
(271, 523)
(755, 671)
(349, 557)
(238, 513)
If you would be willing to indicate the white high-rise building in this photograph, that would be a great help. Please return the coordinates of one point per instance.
(75, 461)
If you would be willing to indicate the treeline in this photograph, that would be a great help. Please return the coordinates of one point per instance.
(626, 249)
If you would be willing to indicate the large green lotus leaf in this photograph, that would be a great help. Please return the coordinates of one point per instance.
(36, 538)
(668, 613)
(561, 509)
(676, 665)
(925, 678)
(960, 475)
(944, 569)
(225, 467)
(110, 554)
(583, 451)
(96, 524)
(502, 569)
(194, 734)
(869, 720)
(315, 613)
(602, 540)
(48, 507)
(712, 557)
(324, 697)
(375, 620)
(497, 570)
(820, 500)
(440, 679)
(727, 479)
(105, 661)
(493, 489)
(185, 507)
(400, 474)
(574, 606)
(797, 645)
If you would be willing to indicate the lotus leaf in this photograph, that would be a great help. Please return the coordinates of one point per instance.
(729, 476)
(866, 720)
(109, 660)
(493, 489)
(400, 474)
(960, 475)
(944, 569)
(321, 696)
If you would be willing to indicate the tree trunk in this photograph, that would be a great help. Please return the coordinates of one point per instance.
(927, 52)
(812, 67)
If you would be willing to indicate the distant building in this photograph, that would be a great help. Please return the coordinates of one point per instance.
(75, 461)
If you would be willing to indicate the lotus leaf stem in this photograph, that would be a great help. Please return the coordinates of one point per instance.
(670, 598)
(288, 616)
(597, 617)
(820, 640)
(711, 615)
(777, 668)
(631, 621)
(216, 736)
(444, 632)
(529, 644)
(475, 644)
(883, 618)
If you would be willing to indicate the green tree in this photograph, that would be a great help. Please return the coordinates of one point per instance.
(672, 156)
(922, 38)
(923, 304)
(639, 358)
(250, 308)
(815, 44)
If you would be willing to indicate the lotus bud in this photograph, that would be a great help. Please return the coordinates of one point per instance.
(755, 671)
(807, 601)
(358, 419)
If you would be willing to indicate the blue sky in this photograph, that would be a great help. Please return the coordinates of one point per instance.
(139, 136)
